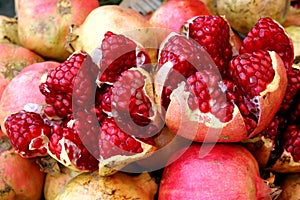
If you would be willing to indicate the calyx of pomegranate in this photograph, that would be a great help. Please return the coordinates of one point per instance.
(217, 107)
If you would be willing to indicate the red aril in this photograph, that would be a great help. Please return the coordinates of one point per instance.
(225, 171)
(21, 178)
(13, 59)
(16, 95)
(43, 26)
(173, 14)
(195, 94)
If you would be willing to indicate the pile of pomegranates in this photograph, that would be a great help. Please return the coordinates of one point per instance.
(99, 106)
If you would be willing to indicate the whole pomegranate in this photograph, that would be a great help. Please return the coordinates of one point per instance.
(213, 172)
(16, 94)
(117, 186)
(13, 58)
(56, 181)
(43, 26)
(173, 14)
(20, 178)
(243, 14)
(117, 19)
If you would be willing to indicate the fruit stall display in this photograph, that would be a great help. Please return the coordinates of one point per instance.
(194, 100)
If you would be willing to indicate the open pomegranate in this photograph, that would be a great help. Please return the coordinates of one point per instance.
(110, 100)
(224, 97)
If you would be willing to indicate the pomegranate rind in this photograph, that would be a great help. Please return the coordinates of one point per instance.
(285, 164)
(261, 148)
(203, 127)
(114, 164)
(119, 186)
(270, 99)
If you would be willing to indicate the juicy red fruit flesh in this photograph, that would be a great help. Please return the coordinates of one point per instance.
(268, 35)
(24, 130)
(292, 141)
(213, 33)
(252, 72)
(119, 54)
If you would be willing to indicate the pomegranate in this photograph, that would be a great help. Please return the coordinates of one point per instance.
(9, 30)
(174, 13)
(226, 170)
(216, 94)
(20, 178)
(56, 181)
(13, 59)
(49, 24)
(243, 15)
(116, 186)
(16, 95)
(290, 187)
(293, 15)
(123, 124)
(272, 147)
(117, 19)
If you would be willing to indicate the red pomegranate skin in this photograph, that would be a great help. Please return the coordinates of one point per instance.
(24, 89)
(14, 58)
(174, 13)
(21, 178)
(228, 171)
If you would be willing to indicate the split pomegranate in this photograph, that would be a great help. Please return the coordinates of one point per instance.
(28, 133)
(21, 178)
(228, 105)
(173, 14)
(49, 23)
(13, 59)
(16, 94)
(276, 146)
(225, 171)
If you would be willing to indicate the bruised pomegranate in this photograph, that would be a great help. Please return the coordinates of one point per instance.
(223, 97)
(21, 178)
(243, 14)
(213, 172)
(49, 23)
(13, 59)
(14, 100)
(117, 186)
(174, 13)
(9, 30)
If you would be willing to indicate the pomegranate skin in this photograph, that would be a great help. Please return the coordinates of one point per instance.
(24, 89)
(43, 26)
(20, 178)
(174, 13)
(228, 170)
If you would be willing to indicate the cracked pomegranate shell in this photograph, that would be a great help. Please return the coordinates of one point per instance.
(195, 94)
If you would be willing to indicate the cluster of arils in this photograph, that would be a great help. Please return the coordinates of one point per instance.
(207, 86)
